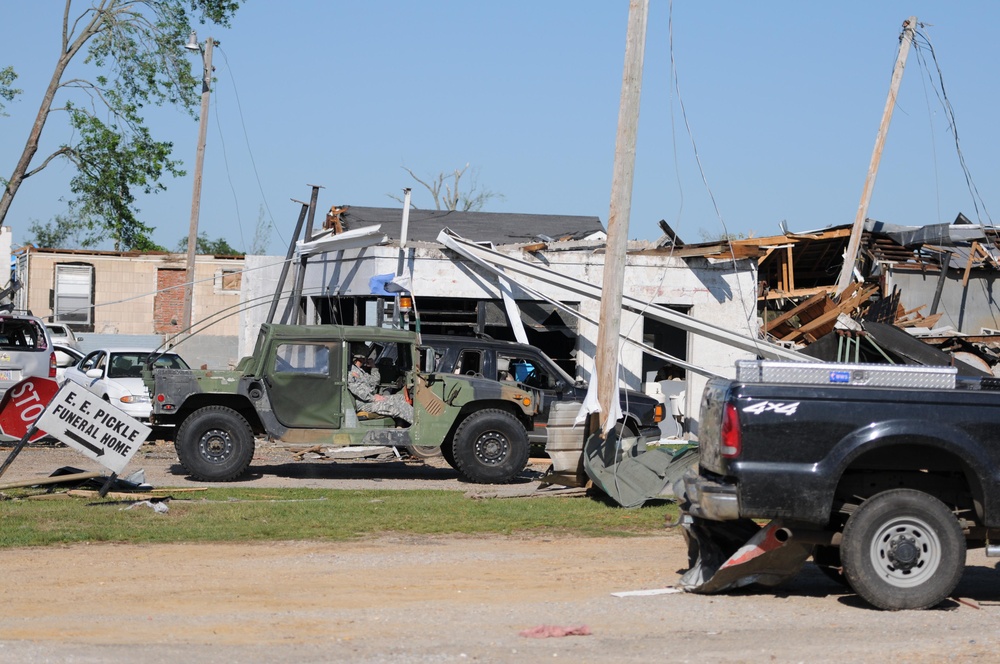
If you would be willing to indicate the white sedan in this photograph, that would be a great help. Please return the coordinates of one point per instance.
(66, 357)
(115, 374)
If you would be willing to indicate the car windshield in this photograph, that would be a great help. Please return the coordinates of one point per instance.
(129, 365)
(21, 334)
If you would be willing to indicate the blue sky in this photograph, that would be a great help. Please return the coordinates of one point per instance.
(783, 100)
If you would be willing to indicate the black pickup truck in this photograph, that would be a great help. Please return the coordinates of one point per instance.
(885, 474)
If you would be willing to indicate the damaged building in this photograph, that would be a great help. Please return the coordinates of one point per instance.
(920, 294)
(554, 264)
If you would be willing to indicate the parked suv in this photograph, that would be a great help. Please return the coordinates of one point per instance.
(512, 361)
(25, 350)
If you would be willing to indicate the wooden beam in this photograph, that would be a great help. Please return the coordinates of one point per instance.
(791, 295)
(849, 305)
(968, 266)
(802, 306)
(791, 269)
(58, 479)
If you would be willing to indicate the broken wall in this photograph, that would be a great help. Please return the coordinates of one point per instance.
(712, 292)
(968, 308)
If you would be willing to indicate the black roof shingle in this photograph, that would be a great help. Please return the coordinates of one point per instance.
(496, 227)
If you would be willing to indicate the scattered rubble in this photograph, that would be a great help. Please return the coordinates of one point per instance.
(932, 282)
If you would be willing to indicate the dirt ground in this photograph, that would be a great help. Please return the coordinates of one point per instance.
(434, 599)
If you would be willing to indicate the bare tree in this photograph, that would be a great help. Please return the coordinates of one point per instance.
(446, 190)
(262, 234)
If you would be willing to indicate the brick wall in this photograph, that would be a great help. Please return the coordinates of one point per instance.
(168, 304)
(135, 293)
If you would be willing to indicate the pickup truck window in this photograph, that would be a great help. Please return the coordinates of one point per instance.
(524, 370)
(302, 359)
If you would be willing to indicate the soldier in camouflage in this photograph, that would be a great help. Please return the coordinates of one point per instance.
(364, 386)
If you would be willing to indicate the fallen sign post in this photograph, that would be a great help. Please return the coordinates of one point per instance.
(20, 407)
(92, 426)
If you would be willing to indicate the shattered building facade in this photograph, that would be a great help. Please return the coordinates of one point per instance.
(935, 283)
(455, 295)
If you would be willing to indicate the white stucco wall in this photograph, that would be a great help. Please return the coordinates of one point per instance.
(716, 293)
(967, 308)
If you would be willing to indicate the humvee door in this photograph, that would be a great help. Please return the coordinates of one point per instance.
(305, 384)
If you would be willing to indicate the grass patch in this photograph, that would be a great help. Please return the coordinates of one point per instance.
(228, 515)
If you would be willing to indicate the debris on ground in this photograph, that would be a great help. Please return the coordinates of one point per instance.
(631, 473)
(724, 555)
(319, 452)
(549, 631)
(159, 505)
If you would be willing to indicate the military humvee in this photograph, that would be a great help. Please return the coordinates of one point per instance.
(293, 389)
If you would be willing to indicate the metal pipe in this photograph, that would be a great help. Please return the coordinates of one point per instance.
(818, 537)
(300, 274)
(284, 266)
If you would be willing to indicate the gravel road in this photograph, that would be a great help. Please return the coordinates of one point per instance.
(437, 599)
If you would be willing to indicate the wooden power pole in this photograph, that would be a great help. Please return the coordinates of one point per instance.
(851, 257)
(606, 371)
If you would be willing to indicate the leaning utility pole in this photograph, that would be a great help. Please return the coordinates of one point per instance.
(606, 371)
(199, 161)
(851, 257)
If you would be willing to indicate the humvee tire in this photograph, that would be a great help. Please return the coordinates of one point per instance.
(215, 444)
(490, 447)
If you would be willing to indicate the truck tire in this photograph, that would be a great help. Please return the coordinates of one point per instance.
(903, 549)
(215, 444)
(490, 447)
(448, 452)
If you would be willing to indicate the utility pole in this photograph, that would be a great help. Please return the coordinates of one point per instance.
(851, 257)
(199, 160)
(606, 371)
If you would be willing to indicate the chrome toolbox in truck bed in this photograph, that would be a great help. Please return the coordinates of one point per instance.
(835, 373)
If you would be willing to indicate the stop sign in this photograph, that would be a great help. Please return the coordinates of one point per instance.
(23, 403)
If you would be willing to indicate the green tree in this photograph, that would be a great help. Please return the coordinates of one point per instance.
(7, 89)
(206, 246)
(62, 232)
(137, 49)
(447, 190)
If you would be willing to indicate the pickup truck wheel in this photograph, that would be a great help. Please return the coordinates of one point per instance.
(490, 447)
(903, 549)
(215, 444)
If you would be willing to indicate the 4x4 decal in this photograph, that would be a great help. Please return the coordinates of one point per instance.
(779, 407)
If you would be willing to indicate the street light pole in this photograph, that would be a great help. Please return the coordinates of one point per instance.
(206, 89)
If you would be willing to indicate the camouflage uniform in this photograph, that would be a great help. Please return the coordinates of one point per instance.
(364, 387)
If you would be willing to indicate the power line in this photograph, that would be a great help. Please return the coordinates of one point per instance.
(246, 137)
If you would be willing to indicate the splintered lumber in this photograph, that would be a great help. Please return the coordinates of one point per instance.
(968, 266)
(847, 305)
(802, 306)
(116, 495)
(58, 479)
